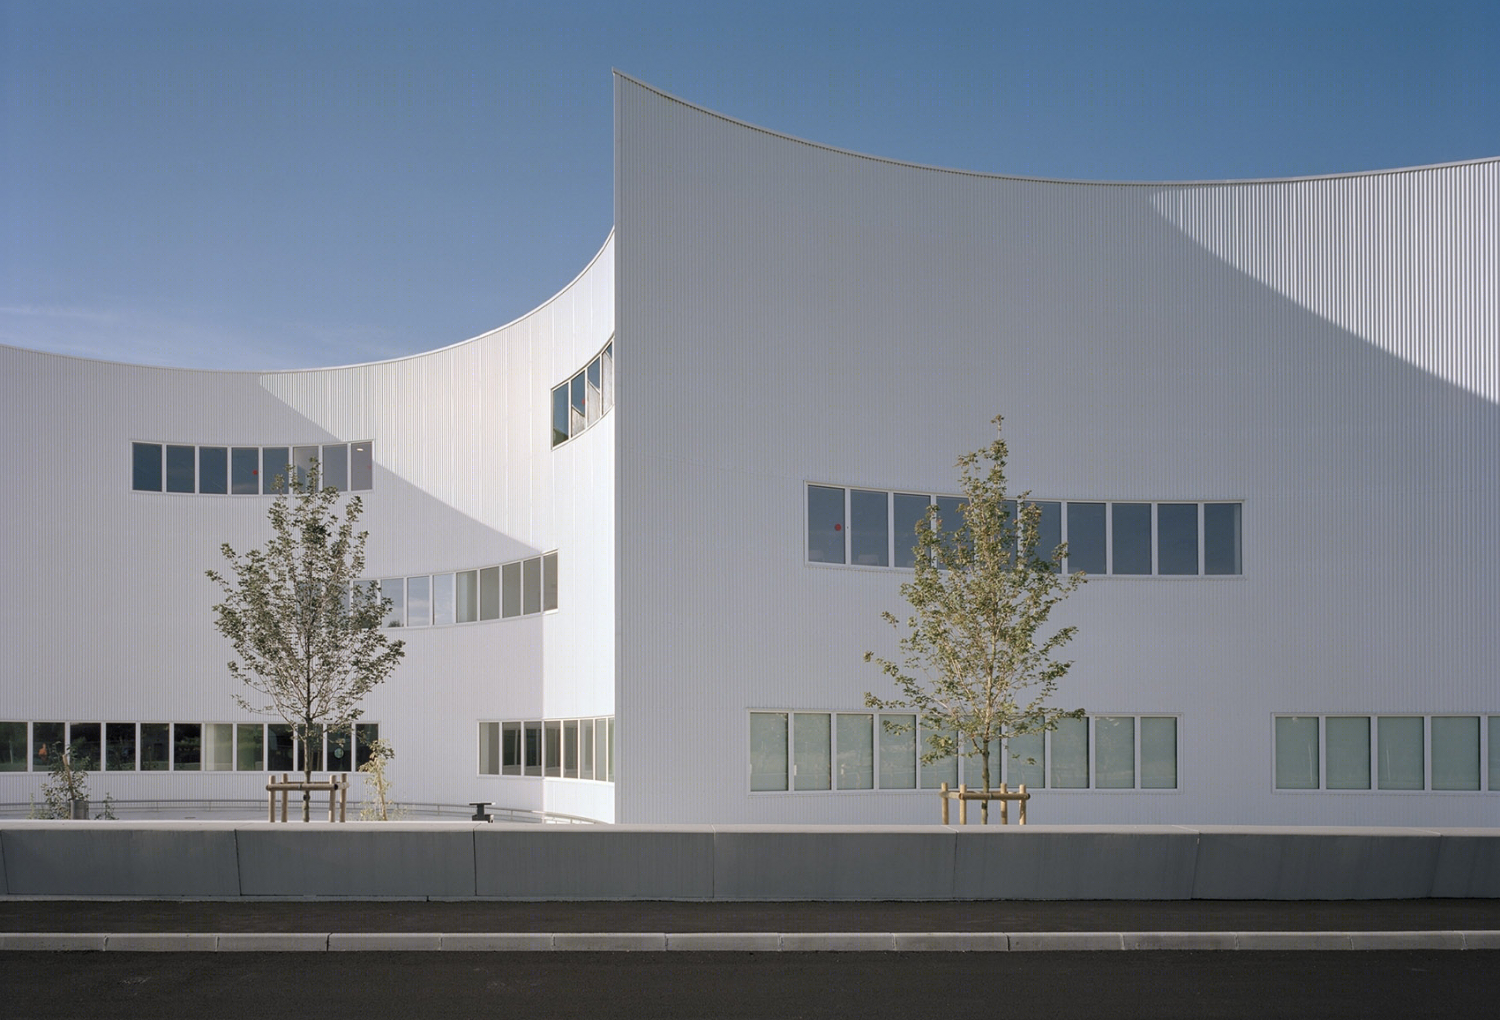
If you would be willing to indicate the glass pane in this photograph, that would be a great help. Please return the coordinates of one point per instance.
(586, 749)
(1494, 745)
(418, 601)
(1401, 752)
(394, 589)
(531, 586)
(577, 416)
(549, 581)
(145, 467)
(560, 414)
(1049, 534)
(869, 534)
(1177, 538)
(489, 749)
(768, 750)
(312, 747)
(910, 515)
(85, 742)
(510, 750)
(1131, 527)
(46, 744)
(442, 598)
(811, 763)
(156, 747)
(601, 749)
(950, 514)
(856, 751)
(552, 748)
(277, 465)
(489, 593)
(898, 753)
(1221, 538)
(365, 735)
(1070, 754)
(533, 749)
(1297, 752)
(570, 749)
(187, 746)
(1348, 752)
(244, 470)
(213, 470)
(608, 389)
(119, 747)
(1158, 753)
(1455, 752)
(825, 524)
(944, 770)
(340, 751)
(361, 466)
(281, 750)
(609, 761)
(510, 587)
(466, 596)
(593, 397)
(1026, 761)
(304, 460)
(1114, 752)
(218, 747)
(180, 474)
(250, 747)
(1086, 538)
(335, 466)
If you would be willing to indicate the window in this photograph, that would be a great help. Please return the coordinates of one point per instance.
(549, 582)
(335, 467)
(489, 593)
(213, 470)
(585, 398)
(586, 748)
(1348, 752)
(187, 747)
(570, 748)
(1397, 752)
(856, 761)
(419, 601)
(489, 749)
(394, 588)
(244, 470)
(145, 467)
(250, 747)
(898, 752)
(466, 583)
(365, 735)
(825, 524)
(877, 528)
(1399, 741)
(1297, 753)
(119, 747)
(1455, 752)
(531, 586)
(533, 751)
(277, 461)
(552, 747)
(281, 749)
(811, 764)
(1070, 754)
(156, 747)
(1026, 760)
(442, 599)
(14, 750)
(85, 742)
(768, 747)
(1114, 752)
(46, 744)
(935, 774)
(361, 466)
(510, 751)
(218, 747)
(340, 750)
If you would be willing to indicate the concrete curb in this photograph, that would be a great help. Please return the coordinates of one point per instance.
(751, 942)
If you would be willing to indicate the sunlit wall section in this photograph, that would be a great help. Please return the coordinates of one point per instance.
(797, 316)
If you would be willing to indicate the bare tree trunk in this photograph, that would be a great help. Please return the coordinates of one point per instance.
(984, 805)
(307, 773)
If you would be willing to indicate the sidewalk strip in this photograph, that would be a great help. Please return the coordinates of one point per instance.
(752, 942)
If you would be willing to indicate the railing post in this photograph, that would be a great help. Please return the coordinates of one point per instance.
(284, 780)
(944, 792)
(1022, 819)
(963, 805)
(343, 798)
(1004, 806)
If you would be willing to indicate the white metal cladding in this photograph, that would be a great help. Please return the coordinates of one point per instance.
(1324, 350)
(106, 609)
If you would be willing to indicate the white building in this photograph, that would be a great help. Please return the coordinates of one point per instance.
(1265, 415)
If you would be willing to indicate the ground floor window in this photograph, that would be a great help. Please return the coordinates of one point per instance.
(558, 748)
(179, 746)
(1387, 752)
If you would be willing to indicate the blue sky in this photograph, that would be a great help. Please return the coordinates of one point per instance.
(269, 185)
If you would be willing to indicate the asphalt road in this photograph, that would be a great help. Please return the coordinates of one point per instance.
(415, 986)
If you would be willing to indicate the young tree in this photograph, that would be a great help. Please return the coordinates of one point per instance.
(976, 664)
(308, 637)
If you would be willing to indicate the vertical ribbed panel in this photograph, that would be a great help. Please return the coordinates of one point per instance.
(106, 608)
(1324, 350)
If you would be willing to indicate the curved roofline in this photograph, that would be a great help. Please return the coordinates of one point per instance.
(1045, 180)
(333, 368)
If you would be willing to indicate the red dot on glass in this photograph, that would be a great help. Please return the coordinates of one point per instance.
(838, 527)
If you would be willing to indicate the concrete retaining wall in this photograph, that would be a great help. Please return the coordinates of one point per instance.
(453, 860)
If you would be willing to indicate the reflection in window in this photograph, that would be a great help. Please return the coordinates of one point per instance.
(180, 476)
(811, 761)
(898, 752)
(418, 601)
(1027, 760)
(466, 584)
(489, 749)
(244, 470)
(277, 461)
(869, 528)
(531, 586)
(511, 589)
(1049, 533)
(281, 749)
(1131, 531)
(533, 749)
(584, 398)
(1114, 752)
(489, 593)
(442, 599)
(187, 746)
(46, 744)
(856, 762)
(944, 770)
(1221, 538)
(910, 514)
(119, 747)
(768, 750)
(1177, 538)
(145, 467)
(14, 749)
(335, 467)
(250, 747)
(1086, 538)
(1070, 754)
(85, 742)
(213, 470)
(156, 747)
(393, 589)
(549, 581)
(218, 747)
(361, 466)
(552, 747)
(825, 524)
(510, 750)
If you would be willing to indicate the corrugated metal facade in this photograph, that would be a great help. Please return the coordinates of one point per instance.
(1323, 350)
(106, 609)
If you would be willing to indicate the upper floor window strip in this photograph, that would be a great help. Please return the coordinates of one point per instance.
(585, 398)
(876, 528)
(248, 470)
